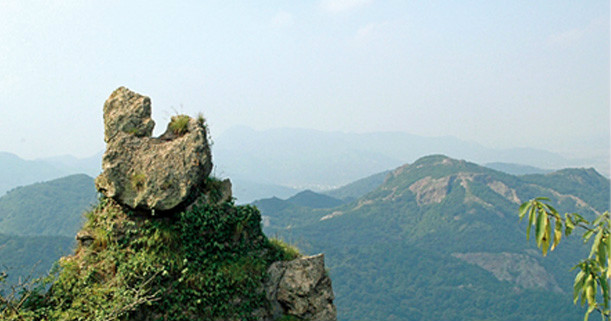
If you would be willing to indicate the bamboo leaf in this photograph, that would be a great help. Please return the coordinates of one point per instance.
(540, 228)
(598, 220)
(531, 221)
(557, 234)
(605, 289)
(569, 225)
(524, 209)
(578, 285)
(591, 290)
(597, 239)
(587, 235)
(553, 210)
(547, 237)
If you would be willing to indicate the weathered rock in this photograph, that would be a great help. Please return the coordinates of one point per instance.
(214, 191)
(301, 288)
(149, 173)
(128, 112)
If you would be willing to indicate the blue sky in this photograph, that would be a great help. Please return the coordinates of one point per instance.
(501, 73)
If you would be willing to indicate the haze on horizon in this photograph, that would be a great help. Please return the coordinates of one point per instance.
(517, 74)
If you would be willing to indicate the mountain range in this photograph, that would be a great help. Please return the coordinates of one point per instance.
(318, 160)
(440, 239)
(437, 239)
(282, 162)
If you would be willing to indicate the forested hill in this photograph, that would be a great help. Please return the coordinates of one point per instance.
(444, 233)
(49, 208)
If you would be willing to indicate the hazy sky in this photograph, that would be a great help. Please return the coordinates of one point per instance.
(500, 73)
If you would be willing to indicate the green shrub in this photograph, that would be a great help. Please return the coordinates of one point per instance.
(288, 251)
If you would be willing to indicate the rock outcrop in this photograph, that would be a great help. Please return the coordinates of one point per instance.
(301, 288)
(150, 173)
(228, 269)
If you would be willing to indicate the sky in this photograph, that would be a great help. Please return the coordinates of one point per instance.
(503, 74)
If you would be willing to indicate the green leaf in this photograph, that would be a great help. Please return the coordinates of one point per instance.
(553, 210)
(569, 225)
(578, 285)
(580, 219)
(587, 235)
(590, 288)
(531, 221)
(523, 209)
(598, 220)
(557, 234)
(597, 239)
(547, 237)
(605, 289)
(540, 228)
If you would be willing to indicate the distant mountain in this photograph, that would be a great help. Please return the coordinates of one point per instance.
(15, 171)
(517, 169)
(317, 160)
(311, 199)
(358, 188)
(91, 165)
(444, 233)
(49, 208)
(302, 202)
(246, 191)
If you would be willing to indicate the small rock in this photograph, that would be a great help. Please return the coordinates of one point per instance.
(301, 288)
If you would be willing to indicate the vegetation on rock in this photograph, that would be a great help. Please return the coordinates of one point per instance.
(206, 263)
(179, 124)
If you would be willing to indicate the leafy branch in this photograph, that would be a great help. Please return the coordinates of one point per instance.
(594, 274)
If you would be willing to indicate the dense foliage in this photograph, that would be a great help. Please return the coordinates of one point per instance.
(205, 263)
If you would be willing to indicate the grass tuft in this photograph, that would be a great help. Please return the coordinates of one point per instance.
(179, 124)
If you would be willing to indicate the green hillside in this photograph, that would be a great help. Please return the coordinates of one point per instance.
(440, 240)
(29, 257)
(312, 199)
(49, 208)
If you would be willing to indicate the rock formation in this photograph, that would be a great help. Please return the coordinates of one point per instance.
(150, 173)
(301, 288)
(170, 173)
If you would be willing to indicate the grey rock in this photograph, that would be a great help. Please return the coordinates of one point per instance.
(301, 288)
(128, 112)
(149, 173)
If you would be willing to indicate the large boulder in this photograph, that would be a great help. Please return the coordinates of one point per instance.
(149, 173)
(301, 288)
